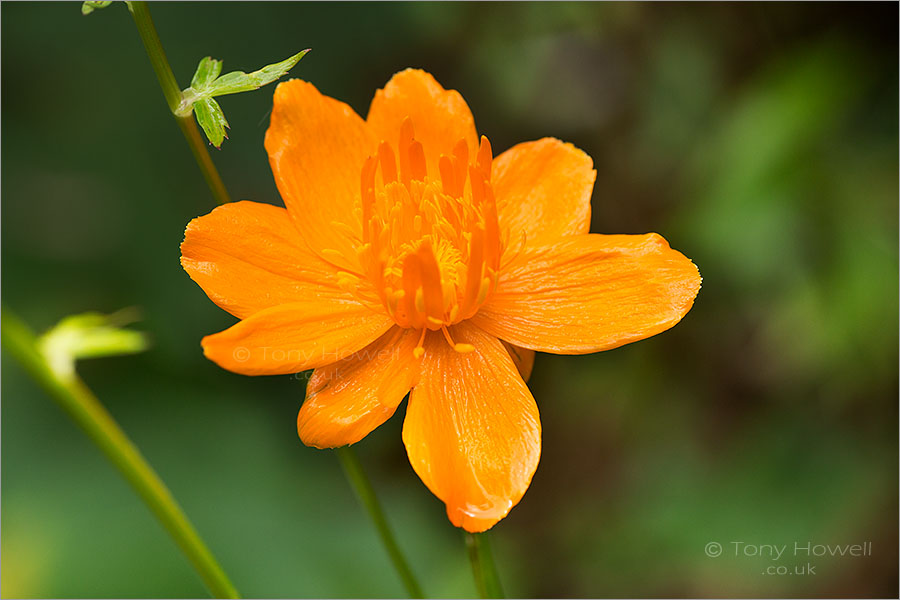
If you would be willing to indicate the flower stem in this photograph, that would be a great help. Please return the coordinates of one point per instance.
(363, 488)
(141, 13)
(80, 403)
(483, 569)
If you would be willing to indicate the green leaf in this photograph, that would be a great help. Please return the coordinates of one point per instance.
(207, 84)
(212, 120)
(238, 81)
(90, 335)
(207, 71)
(92, 5)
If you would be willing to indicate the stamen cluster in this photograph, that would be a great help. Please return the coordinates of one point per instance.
(430, 245)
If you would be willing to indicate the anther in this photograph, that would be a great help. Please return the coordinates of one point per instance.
(461, 348)
(419, 350)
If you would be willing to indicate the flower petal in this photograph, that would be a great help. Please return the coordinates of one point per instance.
(317, 146)
(590, 293)
(440, 117)
(543, 191)
(523, 359)
(248, 256)
(290, 338)
(472, 429)
(346, 400)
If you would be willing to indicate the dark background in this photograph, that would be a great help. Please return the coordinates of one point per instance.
(759, 139)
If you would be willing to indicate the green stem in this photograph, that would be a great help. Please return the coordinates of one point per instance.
(483, 568)
(363, 488)
(141, 13)
(76, 399)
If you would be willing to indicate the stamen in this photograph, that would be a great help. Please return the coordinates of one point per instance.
(419, 350)
(461, 348)
(431, 244)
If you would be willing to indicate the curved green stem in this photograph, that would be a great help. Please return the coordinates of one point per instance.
(363, 488)
(483, 569)
(76, 399)
(141, 13)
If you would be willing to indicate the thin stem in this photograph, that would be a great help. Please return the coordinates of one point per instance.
(201, 154)
(141, 13)
(363, 488)
(80, 403)
(483, 568)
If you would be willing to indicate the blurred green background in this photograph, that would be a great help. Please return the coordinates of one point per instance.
(759, 139)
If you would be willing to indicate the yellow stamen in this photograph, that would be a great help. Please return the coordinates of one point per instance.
(431, 243)
(419, 350)
(461, 348)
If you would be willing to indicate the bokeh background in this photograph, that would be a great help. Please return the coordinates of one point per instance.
(760, 139)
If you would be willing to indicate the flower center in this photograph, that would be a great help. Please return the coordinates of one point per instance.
(430, 241)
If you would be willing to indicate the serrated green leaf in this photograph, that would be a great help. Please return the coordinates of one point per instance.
(90, 335)
(238, 81)
(207, 71)
(212, 120)
(206, 84)
(92, 5)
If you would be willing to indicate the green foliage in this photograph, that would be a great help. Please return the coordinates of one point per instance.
(90, 335)
(207, 71)
(238, 81)
(206, 84)
(212, 120)
(92, 5)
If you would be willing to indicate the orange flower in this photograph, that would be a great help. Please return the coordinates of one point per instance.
(409, 260)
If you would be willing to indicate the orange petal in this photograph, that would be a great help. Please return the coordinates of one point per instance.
(290, 338)
(523, 359)
(590, 293)
(439, 117)
(317, 146)
(348, 399)
(543, 191)
(248, 256)
(472, 429)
